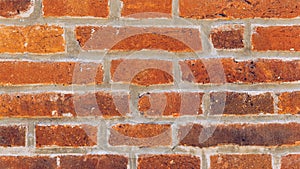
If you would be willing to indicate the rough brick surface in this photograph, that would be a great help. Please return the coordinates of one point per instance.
(31, 39)
(249, 161)
(207, 9)
(26, 162)
(230, 103)
(240, 134)
(146, 8)
(64, 104)
(12, 136)
(228, 37)
(24, 72)
(277, 38)
(171, 104)
(58, 8)
(94, 162)
(141, 135)
(289, 103)
(291, 161)
(137, 38)
(168, 161)
(14, 8)
(66, 136)
(228, 70)
(142, 72)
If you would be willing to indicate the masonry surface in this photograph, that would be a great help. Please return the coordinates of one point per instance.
(180, 84)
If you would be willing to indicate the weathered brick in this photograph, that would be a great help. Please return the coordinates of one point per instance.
(12, 136)
(59, 8)
(228, 37)
(277, 38)
(291, 161)
(174, 161)
(238, 161)
(140, 135)
(24, 72)
(138, 38)
(146, 8)
(64, 104)
(289, 103)
(240, 134)
(27, 162)
(106, 161)
(32, 39)
(66, 135)
(171, 104)
(14, 8)
(208, 9)
(240, 103)
(142, 72)
(228, 70)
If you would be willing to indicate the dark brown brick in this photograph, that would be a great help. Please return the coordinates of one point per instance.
(141, 135)
(146, 8)
(171, 104)
(59, 8)
(241, 103)
(278, 38)
(289, 103)
(12, 136)
(138, 38)
(291, 161)
(240, 134)
(62, 73)
(142, 72)
(66, 135)
(172, 161)
(93, 162)
(26, 162)
(228, 37)
(228, 70)
(13, 8)
(238, 161)
(208, 9)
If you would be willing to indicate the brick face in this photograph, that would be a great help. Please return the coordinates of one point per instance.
(290, 161)
(41, 39)
(289, 103)
(249, 161)
(207, 9)
(59, 8)
(10, 9)
(12, 136)
(28, 162)
(228, 37)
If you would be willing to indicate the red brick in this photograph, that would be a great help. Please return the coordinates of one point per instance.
(27, 162)
(228, 103)
(146, 8)
(172, 161)
(64, 104)
(208, 9)
(291, 161)
(62, 73)
(14, 8)
(142, 72)
(238, 161)
(277, 38)
(12, 136)
(140, 135)
(138, 38)
(94, 162)
(58, 8)
(171, 104)
(289, 103)
(66, 135)
(32, 39)
(228, 70)
(271, 134)
(228, 37)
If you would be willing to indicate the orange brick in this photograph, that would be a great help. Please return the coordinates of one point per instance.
(14, 8)
(27, 162)
(291, 161)
(289, 103)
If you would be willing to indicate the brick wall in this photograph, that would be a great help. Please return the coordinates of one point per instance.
(113, 84)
